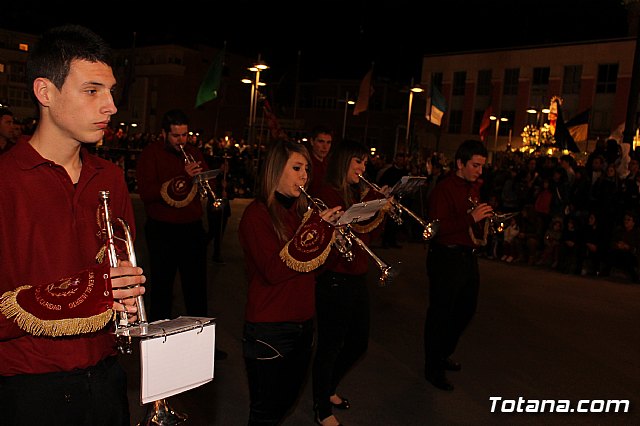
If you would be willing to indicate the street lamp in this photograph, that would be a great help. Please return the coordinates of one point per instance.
(495, 141)
(412, 90)
(347, 102)
(258, 67)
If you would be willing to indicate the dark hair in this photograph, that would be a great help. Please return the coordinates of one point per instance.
(5, 111)
(469, 148)
(339, 165)
(174, 117)
(321, 128)
(272, 168)
(52, 56)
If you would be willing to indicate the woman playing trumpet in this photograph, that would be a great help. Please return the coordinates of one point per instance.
(283, 242)
(342, 299)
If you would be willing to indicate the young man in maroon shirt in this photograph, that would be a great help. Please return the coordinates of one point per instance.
(451, 263)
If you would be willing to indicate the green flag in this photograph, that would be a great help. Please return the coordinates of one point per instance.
(211, 84)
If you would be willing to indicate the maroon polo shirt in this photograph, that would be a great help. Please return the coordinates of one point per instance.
(159, 163)
(48, 231)
(449, 203)
(276, 292)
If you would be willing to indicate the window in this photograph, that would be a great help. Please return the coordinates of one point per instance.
(459, 82)
(607, 78)
(484, 83)
(511, 77)
(571, 79)
(436, 80)
(540, 82)
(455, 121)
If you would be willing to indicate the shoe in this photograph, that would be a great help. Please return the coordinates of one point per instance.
(440, 381)
(344, 405)
(219, 261)
(451, 365)
(220, 355)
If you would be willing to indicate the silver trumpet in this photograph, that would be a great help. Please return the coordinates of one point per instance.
(344, 244)
(429, 228)
(122, 326)
(202, 180)
(159, 413)
(497, 221)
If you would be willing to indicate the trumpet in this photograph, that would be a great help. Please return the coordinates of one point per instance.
(429, 228)
(497, 221)
(202, 180)
(122, 326)
(346, 238)
(160, 413)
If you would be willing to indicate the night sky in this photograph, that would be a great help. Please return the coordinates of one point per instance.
(336, 38)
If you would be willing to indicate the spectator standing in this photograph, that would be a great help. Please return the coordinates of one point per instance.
(6, 129)
(58, 357)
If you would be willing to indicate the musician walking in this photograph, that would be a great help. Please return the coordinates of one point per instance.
(342, 297)
(174, 228)
(58, 357)
(283, 243)
(452, 266)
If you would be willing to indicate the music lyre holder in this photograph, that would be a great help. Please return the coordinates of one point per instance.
(407, 185)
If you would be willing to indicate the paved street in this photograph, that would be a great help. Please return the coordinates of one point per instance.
(537, 334)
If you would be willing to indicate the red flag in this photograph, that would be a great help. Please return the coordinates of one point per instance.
(485, 124)
(366, 90)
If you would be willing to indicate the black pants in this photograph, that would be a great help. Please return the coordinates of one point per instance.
(177, 248)
(277, 357)
(95, 396)
(342, 306)
(453, 297)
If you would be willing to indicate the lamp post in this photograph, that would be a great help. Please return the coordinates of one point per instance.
(258, 67)
(412, 90)
(347, 102)
(497, 120)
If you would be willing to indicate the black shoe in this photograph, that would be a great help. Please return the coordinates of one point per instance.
(344, 405)
(451, 365)
(440, 381)
(318, 421)
(220, 355)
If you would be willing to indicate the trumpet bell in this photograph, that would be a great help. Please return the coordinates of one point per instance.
(161, 414)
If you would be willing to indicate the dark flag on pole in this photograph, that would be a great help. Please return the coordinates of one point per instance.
(211, 84)
(579, 126)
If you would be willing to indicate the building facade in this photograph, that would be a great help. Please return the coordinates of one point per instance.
(594, 75)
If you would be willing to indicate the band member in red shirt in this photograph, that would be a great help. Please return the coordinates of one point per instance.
(283, 243)
(452, 266)
(58, 362)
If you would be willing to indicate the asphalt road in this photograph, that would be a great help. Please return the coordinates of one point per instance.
(537, 335)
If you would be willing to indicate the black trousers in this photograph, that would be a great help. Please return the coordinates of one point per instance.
(95, 396)
(173, 248)
(342, 309)
(454, 279)
(277, 357)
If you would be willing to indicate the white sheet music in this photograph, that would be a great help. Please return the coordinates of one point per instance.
(361, 211)
(179, 358)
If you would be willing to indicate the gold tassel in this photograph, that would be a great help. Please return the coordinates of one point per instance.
(363, 229)
(52, 328)
(174, 203)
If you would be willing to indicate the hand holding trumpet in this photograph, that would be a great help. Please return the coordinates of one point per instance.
(481, 211)
(126, 281)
